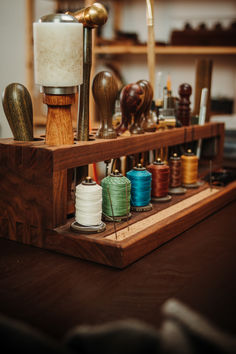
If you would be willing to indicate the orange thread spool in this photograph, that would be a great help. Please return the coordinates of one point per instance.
(160, 178)
(189, 168)
(175, 171)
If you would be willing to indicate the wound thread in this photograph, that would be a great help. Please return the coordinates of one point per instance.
(141, 181)
(160, 178)
(189, 168)
(175, 171)
(88, 203)
(115, 195)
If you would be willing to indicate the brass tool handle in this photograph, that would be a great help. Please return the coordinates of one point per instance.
(91, 16)
(84, 91)
(18, 109)
(105, 90)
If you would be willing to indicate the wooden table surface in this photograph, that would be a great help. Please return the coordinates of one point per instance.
(53, 292)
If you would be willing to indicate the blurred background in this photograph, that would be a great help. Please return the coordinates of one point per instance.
(185, 31)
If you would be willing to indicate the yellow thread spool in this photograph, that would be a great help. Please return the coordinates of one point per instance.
(189, 167)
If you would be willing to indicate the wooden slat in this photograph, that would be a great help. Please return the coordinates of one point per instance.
(163, 50)
(203, 79)
(86, 152)
(101, 150)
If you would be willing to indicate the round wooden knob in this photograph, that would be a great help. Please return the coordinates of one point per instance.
(131, 101)
(148, 124)
(185, 90)
(105, 91)
(184, 112)
(147, 87)
(18, 109)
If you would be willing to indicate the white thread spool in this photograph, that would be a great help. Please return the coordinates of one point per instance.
(88, 204)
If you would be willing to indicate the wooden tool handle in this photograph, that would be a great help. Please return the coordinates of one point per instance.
(59, 130)
(148, 124)
(131, 100)
(105, 91)
(136, 127)
(18, 109)
(183, 112)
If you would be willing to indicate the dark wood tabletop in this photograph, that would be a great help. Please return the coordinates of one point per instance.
(54, 293)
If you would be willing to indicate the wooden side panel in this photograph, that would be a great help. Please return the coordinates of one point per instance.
(59, 189)
(25, 190)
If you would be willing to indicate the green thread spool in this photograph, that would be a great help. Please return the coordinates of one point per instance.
(116, 196)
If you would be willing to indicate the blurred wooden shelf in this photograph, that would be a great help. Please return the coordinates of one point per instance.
(186, 50)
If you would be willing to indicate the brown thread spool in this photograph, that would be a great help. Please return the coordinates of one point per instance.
(189, 169)
(175, 176)
(175, 171)
(160, 180)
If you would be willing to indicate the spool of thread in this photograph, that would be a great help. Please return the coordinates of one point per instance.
(116, 197)
(141, 181)
(189, 169)
(88, 207)
(175, 175)
(175, 171)
(160, 181)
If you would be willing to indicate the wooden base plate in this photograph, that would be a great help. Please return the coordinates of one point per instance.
(177, 190)
(116, 218)
(76, 227)
(142, 208)
(143, 233)
(193, 185)
(167, 198)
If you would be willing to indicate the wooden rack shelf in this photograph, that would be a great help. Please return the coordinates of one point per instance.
(35, 196)
(164, 50)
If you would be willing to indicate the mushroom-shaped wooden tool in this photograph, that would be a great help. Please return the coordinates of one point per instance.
(18, 109)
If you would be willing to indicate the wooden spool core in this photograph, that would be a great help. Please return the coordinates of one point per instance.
(59, 130)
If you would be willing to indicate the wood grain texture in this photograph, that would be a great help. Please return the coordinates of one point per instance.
(59, 129)
(18, 109)
(84, 152)
(131, 100)
(35, 201)
(183, 111)
(105, 90)
(203, 79)
(148, 124)
(120, 254)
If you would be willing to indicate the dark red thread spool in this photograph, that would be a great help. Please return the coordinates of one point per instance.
(160, 178)
(175, 171)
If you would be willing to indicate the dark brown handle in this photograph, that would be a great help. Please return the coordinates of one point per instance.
(18, 109)
(135, 101)
(184, 112)
(148, 124)
(131, 100)
(105, 91)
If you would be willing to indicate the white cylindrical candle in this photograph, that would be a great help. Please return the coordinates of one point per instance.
(58, 53)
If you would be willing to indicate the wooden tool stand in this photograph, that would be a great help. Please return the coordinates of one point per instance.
(36, 205)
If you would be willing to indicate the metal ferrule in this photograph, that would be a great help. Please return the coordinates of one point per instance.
(67, 90)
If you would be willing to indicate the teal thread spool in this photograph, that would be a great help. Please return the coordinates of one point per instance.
(116, 190)
(141, 181)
